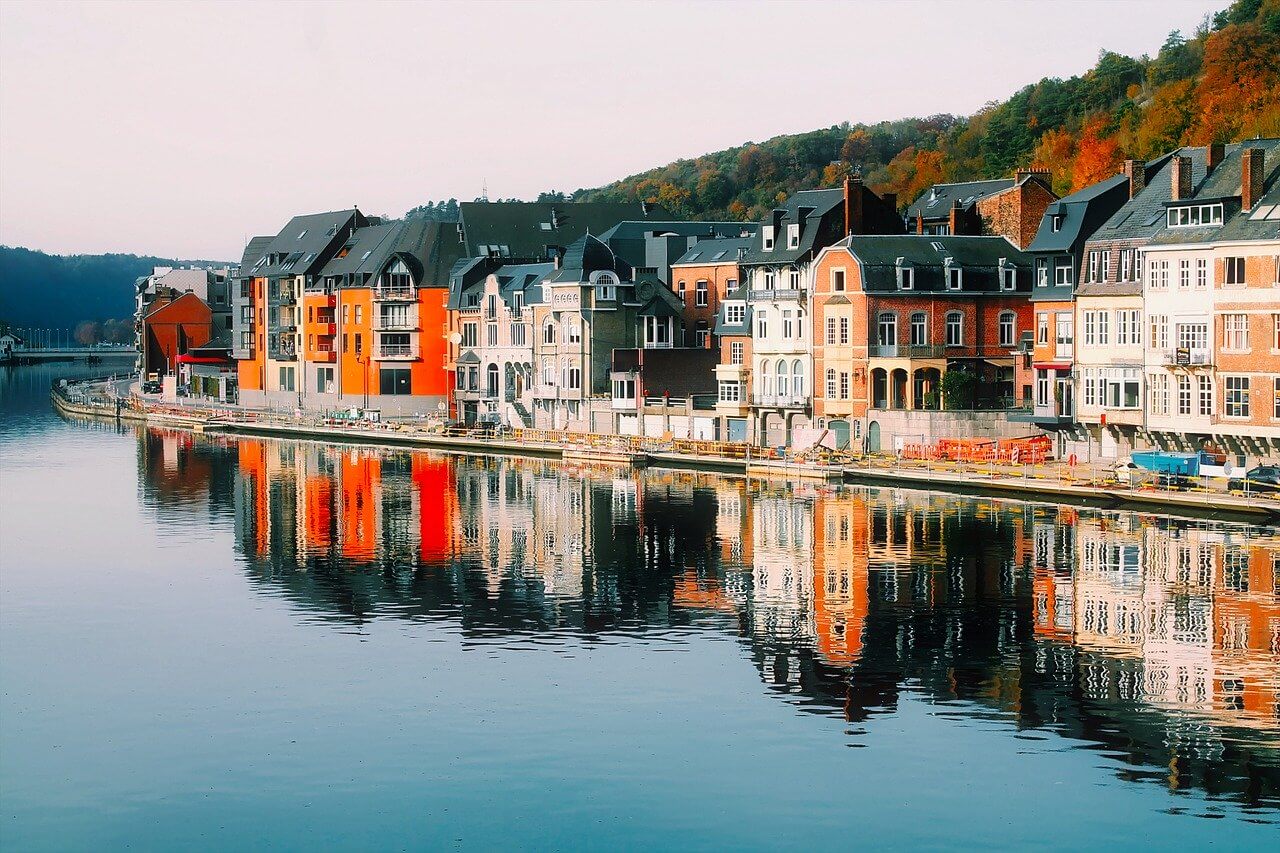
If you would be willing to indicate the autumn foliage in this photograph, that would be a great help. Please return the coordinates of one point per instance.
(1220, 84)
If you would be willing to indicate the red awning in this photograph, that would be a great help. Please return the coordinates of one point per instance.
(188, 358)
(1050, 365)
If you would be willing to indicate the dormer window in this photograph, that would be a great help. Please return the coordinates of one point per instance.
(793, 236)
(1193, 215)
(1055, 222)
(1008, 275)
(303, 234)
(606, 287)
(766, 238)
(735, 313)
(906, 274)
(954, 275)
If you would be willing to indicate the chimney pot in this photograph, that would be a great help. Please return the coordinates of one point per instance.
(953, 218)
(1213, 156)
(1136, 172)
(1251, 177)
(1180, 176)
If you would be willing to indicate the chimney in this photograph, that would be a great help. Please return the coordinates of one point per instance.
(778, 213)
(919, 223)
(1021, 175)
(1136, 172)
(953, 217)
(1213, 156)
(891, 201)
(1180, 176)
(853, 212)
(1251, 177)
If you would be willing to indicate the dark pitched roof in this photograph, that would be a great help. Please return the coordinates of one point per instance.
(363, 251)
(256, 248)
(520, 278)
(822, 205)
(1079, 214)
(586, 255)
(524, 229)
(936, 201)
(632, 229)
(724, 327)
(1224, 183)
(434, 245)
(978, 257)
(723, 250)
(303, 246)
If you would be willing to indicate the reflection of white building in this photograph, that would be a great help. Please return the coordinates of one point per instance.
(782, 568)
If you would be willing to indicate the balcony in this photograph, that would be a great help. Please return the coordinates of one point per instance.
(397, 352)
(394, 324)
(323, 356)
(624, 404)
(907, 351)
(395, 294)
(1187, 357)
(775, 295)
(780, 401)
(329, 329)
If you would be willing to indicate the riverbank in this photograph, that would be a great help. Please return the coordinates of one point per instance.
(1052, 483)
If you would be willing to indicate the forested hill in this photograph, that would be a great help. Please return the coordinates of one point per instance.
(60, 291)
(1220, 83)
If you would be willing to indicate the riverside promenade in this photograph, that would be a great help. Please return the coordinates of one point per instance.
(1052, 482)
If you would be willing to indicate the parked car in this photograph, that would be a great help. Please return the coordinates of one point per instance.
(1264, 478)
(151, 388)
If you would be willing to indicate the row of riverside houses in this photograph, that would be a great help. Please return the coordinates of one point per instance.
(1141, 311)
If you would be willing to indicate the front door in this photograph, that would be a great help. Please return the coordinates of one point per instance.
(873, 437)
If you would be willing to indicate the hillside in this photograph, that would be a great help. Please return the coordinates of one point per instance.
(1221, 83)
(60, 291)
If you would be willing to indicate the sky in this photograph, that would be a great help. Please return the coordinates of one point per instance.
(181, 130)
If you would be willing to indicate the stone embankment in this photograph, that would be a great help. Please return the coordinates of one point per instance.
(1050, 482)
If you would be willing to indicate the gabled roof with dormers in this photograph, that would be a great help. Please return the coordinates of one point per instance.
(979, 258)
(305, 244)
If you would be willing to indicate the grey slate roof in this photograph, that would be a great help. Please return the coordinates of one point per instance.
(936, 202)
(1081, 213)
(304, 244)
(632, 229)
(723, 250)
(825, 204)
(518, 278)
(256, 248)
(725, 328)
(1224, 183)
(978, 257)
(527, 228)
(586, 255)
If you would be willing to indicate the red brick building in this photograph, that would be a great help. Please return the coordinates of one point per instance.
(175, 324)
(1008, 207)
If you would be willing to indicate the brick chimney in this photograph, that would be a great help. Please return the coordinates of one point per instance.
(953, 217)
(1251, 177)
(1136, 172)
(919, 223)
(853, 212)
(1213, 156)
(1021, 175)
(1180, 177)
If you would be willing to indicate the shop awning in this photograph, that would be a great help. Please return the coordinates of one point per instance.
(188, 358)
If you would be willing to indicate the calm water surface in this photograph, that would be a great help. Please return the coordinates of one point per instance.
(213, 644)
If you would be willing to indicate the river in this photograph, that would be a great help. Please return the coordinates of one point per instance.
(209, 643)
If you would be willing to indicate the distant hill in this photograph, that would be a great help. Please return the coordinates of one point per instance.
(1218, 84)
(60, 291)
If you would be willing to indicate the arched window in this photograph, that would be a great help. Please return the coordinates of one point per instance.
(887, 329)
(919, 329)
(549, 332)
(1008, 328)
(782, 378)
(831, 384)
(766, 380)
(492, 373)
(955, 329)
(797, 378)
(606, 279)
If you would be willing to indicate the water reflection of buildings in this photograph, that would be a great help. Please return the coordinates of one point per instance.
(1155, 638)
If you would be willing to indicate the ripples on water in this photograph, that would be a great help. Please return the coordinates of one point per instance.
(579, 654)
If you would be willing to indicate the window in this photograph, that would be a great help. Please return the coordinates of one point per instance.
(1184, 274)
(468, 334)
(1192, 335)
(1128, 327)
(625, 389)
(572, 330)
(700, 298)
(1275, 331)
(1042, 327)
(1193, 215)
(286, 379)
(680, 288)
(491, 334)
(887, 329)
(793, 235)
(831, 384)
(700, 338)
(831, 330)
(797, 378)
(1184, 394)
(346, 314)
(246, 315)
(461, 381)
(1159, 332)
(766, 238)
(518, 334)
(1275, 397)
(783, 374)
(1008, 328)
(549, 332)
(1064, 333)
(793, 278)
(762, 325)
(736, 352)
(548, 372)
(844, 330)
(955, 329)
(394, 381)
(919, 329)
(1042, 389)
(1128, 265)
(1202, 273)
(1234, 271)
(955, 276)
(906, 278)
(246, 340)
(359, 343)
(573, 378)
(1159, 384)
(1042, 272)
(1236, 396)
(735, 313)
(770, 279)
(837, 280)
(1205, 395)
(1159, 275)
(1235, 332)
(1063, 271)
(658, 332)
(844, 385)
(359, 314)
(730, 392)
(1008, 275)
(1120, 388)
(788, 330)
(1094, 265)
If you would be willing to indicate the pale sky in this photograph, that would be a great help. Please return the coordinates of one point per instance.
(181, 129)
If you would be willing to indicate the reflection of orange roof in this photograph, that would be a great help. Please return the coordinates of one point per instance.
(694, 592)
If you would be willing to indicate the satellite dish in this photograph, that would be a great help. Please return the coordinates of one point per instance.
(455, 338)
(440, 407)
